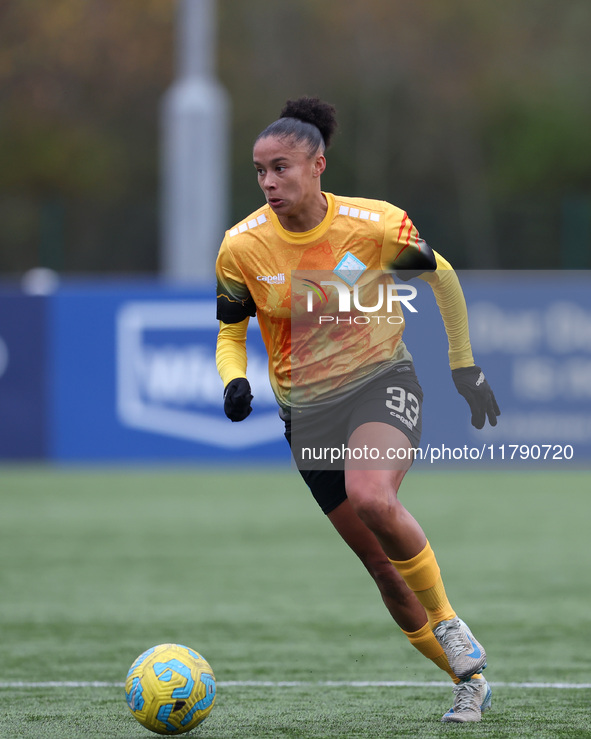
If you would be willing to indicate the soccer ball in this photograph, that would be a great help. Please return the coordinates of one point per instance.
(170, 689)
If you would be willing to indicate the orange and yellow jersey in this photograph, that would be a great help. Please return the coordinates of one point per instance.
(276, 274)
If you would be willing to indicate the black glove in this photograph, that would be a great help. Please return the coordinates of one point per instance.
(237, 397)
(472, 385)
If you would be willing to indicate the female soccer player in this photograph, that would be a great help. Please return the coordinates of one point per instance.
(346, 376)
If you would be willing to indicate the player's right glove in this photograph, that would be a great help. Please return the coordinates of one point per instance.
(473, 386)
(237, 397)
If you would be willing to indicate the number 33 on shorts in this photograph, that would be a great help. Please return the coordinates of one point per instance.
(403, 403)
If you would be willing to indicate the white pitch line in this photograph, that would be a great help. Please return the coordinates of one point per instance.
(302, 684)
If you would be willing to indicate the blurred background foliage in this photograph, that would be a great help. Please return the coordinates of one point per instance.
(473, 117)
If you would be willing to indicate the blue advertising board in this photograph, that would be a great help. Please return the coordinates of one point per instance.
(23, 377)
(126, 372)
(531, 334)
(134, 378)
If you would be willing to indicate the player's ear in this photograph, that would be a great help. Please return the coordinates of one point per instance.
(319, 165)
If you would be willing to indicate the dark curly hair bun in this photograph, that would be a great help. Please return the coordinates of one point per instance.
(314, 111)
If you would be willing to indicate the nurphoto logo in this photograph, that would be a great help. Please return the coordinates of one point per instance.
(385, 300)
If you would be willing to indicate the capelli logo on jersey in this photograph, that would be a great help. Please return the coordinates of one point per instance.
(272, 279)
(349, 301)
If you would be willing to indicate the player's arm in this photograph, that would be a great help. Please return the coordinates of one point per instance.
(230, 354)
(469, 379)
(235, 306)
(452, 306)
(230, 357)
(408, 256)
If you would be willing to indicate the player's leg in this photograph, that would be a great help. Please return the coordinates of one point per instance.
(401, 602)
(328, 488)
(471, 697)
(372, 488)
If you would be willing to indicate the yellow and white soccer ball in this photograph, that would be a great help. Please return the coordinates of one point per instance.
(170, 689)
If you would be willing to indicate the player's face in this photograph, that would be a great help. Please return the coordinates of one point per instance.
(288, 175)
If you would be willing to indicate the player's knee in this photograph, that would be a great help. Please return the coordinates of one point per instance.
(373, 501)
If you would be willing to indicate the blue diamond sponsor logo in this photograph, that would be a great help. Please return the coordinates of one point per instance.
(349, 269)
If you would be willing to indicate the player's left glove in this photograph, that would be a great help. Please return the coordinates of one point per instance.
(471, 384)
(237, 397)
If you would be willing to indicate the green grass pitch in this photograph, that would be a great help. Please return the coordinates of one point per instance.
(97, 565)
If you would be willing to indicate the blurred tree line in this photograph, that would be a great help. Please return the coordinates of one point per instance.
(474, 117)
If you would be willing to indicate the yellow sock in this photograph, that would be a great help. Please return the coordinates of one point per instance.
(422, 575)
(424, 640)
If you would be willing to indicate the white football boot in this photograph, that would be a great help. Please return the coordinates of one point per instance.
(471, 699)
(465, 655)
